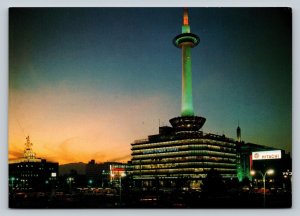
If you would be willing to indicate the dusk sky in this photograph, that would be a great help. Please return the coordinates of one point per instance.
(84, 83)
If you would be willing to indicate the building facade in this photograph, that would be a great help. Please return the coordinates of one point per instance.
(171, 156)
(33, 176)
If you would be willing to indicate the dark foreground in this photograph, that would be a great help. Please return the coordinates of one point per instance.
(149, 199)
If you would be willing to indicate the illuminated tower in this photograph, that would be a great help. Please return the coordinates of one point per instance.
(182, 152)
(185, 41)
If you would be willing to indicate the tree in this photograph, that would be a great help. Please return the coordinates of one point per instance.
(213, 184)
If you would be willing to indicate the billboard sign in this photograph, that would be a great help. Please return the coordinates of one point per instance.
(266, 155)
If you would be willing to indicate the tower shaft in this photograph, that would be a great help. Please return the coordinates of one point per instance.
(186, 41)
(187, 95)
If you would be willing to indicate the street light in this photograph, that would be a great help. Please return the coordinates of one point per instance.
(263, 175)
(69, 180)
(90, 182)
(120, 184)
(122, 175)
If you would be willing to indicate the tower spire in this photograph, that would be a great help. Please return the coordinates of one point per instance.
(185, 23)
(28, 152)
(185, 17)
(238, 133)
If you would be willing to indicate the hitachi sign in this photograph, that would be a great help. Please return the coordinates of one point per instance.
(266, 155)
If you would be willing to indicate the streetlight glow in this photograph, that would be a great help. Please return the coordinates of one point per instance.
(263, 175)
(270, 172)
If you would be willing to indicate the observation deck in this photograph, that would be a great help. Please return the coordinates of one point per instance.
(187, 123)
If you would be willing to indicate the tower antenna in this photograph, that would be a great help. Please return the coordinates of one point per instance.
(238, 132)
(22, 129)
(28, 152)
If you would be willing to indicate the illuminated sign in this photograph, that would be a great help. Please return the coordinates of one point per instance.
(151, 151)
(117, 169)
(53, 174)
(266, 155)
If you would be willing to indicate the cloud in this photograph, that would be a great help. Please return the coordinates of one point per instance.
(15, 154)
(122, 158)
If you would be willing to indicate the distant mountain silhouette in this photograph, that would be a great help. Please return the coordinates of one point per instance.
(66, 168)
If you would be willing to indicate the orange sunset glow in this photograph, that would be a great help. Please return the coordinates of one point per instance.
(68, 127)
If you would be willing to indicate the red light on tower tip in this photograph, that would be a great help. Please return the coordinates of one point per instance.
(185, 17)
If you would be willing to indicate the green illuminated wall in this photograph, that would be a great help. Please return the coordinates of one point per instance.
(187, 97)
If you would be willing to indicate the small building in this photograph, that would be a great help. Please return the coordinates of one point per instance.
(104, 174)
(93, 173)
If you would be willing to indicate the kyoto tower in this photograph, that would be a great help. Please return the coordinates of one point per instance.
(185, 41)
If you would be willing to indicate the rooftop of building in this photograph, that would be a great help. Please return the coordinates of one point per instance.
(29, 155)
(167, 134)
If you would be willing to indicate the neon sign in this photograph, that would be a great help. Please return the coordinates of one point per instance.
(266, 155)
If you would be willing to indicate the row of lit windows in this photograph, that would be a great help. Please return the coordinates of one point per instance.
(213, 147)
(170, 176)
(182, 171)
(183, 159)
(186, 164)
(31, 166)
(184, 147)
(25, 165)
(184, 141)
(183, 153)
(176, 176)
(26, 171)
(29, 175)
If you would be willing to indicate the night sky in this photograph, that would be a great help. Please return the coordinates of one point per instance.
(84, 83)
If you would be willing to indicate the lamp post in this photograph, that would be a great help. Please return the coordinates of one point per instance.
(120, 184)
(69, 180)
(263, 175)
(122, 175)
(287, 183)
(53, 183)
(22, 184)
(90, 183)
